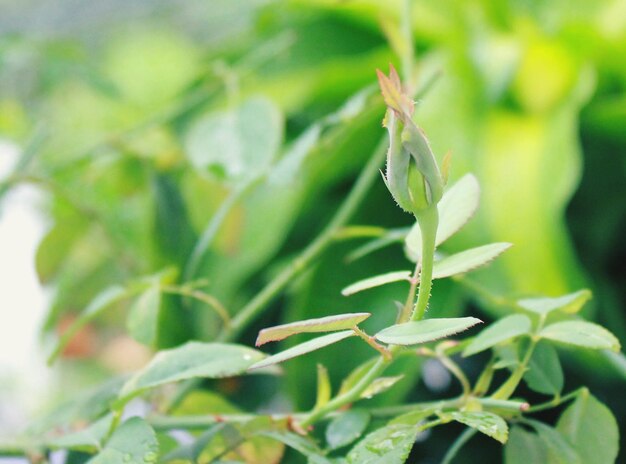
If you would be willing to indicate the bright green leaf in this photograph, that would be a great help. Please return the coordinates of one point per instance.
(412, 333)
(133, 441)
(503, 330)
(388, 445)
(571, 303)
(380, 385)
(486, 422)
(303, 348)
(238, 144)
(590, 426)
(376, 281)
(191, 360)
(143, 318)
(583, 334)
(356, 375)
(468, 260)
(103, 300)
(544, 374)
(560, 451)
(346, 428)
(322, 324)
(457, 206)
(524, 448)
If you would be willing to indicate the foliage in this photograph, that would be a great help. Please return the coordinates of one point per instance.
(191, 184)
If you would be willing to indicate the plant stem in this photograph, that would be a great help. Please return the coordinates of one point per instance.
(466, 436)
(409, 305)
(256, 306)
(348, 397)
(508, 388)
(210, 231)
(207, 299)
(428, 220)
(557, 401)
(371, 342)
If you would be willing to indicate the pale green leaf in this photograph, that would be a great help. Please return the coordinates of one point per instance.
(102, 301)
(559, 449)
(544, 374)
(590, 426)
(303, 348)
(286, 170)
(571, 303)
(457, 206)
(132, 442)
(486, 422)
(324, 390)
(390, 237)
(322, 324)
(346, 427)
(412, 333)
(388, 445)
(191, 360)
(89, 439)
(143, 318)
(503, 330)
(376, 281)
(583, 334)
(380, 385)
(468, 260)
(524, 448)
(238, 144)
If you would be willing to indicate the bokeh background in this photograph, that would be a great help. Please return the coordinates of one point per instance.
(105, 109)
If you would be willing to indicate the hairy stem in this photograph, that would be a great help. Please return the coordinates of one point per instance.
(428, 221)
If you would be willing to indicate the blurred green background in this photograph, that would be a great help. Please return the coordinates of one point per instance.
(112, 106)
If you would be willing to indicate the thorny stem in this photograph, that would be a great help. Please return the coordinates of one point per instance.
(409, 305)
(428, 221)
(372, 342)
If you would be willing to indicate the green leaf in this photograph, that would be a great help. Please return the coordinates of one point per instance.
(376, 281)
(346, 428)
(570, 304)
(412, 333)
(544, 374)
(102, 301)
(590, 426)
(192, 451)
(238, 144)
(488, 423)
(468, 260)
(191, 360)
(303, 348)
(581, 333)
(380, 385)
(301, 444)
(324, 389)
(356, 375)
(457, 206)
(391, 236)
(503, 330)
(322, 324)
(524, 448)
(88, 439)
(559, 449)
(388, 445)
(143, 318)
(134, 442)
(415, 417)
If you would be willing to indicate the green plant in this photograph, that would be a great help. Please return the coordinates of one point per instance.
(521, 345)
(517, 348)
